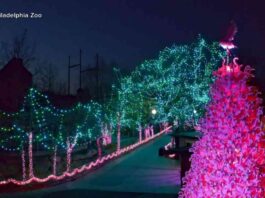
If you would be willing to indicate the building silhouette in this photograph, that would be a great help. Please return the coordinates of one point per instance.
(15, 80)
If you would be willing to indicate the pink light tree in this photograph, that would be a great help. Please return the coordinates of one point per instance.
(227, 160)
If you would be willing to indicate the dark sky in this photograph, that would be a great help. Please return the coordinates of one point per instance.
(130, 31)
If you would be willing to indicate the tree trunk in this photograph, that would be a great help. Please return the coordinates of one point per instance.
(23, 164)
(99, 148)
(54, 160)
(118, 139)
(152, 130)
(31, 174)
(119, 134)
(70, 147)
(68, 155)
(140, 133)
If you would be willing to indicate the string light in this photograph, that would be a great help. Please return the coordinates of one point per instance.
(84, 168)
(43, 114)
(174, 84)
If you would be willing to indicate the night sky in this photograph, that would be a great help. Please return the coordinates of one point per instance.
(129, 32)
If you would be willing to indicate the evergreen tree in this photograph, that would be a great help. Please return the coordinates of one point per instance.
(227, 160)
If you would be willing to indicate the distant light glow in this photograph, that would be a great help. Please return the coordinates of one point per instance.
(228, 68)
(154, 112)
(227, 45)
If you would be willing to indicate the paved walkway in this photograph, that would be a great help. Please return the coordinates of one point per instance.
(141, 172)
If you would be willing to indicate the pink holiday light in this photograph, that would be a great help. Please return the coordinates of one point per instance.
(83, 168)
(228, 69)
(227, 41)
(106, 136)
(165, 125)
(152, 130)
(228, 159)
(68, 156)
(70, 147)
(54, 160)
(119, 133)
(31, 174)
(99, 147)
(23, 164)
(147, 132)
(227, 45)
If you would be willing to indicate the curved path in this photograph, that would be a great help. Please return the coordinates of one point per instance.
(141, 172)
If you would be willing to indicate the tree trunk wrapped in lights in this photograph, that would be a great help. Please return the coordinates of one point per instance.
(147, 132)
(99, 147)
(31, 174)
(54, 160)
(118, 132)
(152, 130)
(68, 155)
(23, 164)
(70, 147)
(227, 160)
(140, 133)
(106, 134)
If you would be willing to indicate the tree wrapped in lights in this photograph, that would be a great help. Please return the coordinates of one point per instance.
(40, 123)
(113, 113)
(91, 129)
(25, 126)
(135, 105)
(227, 160)
(55, 141)
(81, 124)
(176, 84)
